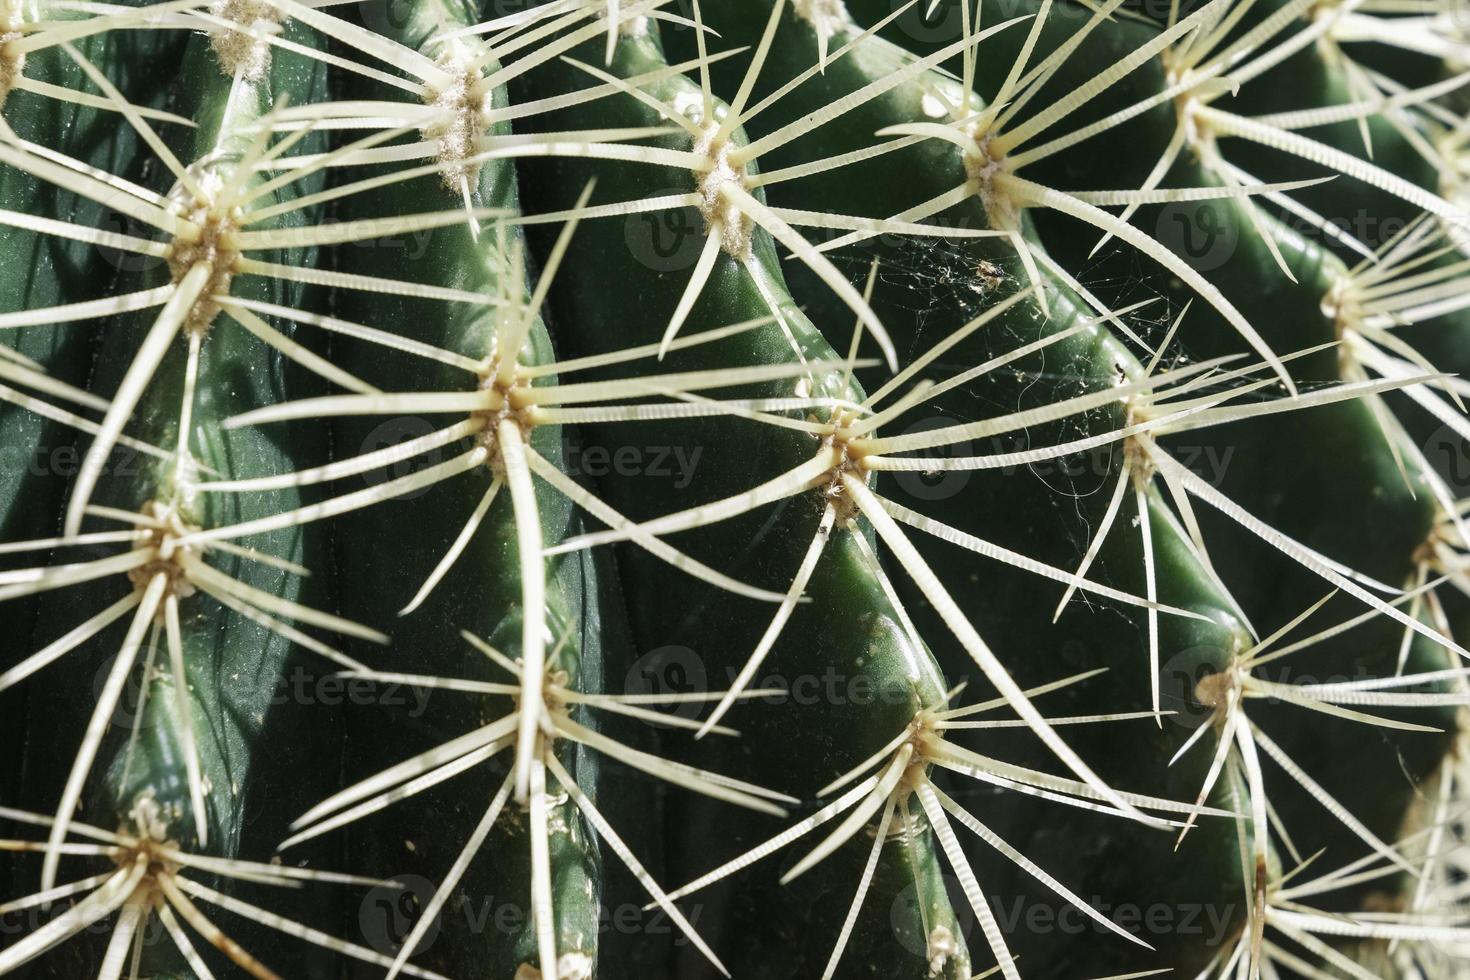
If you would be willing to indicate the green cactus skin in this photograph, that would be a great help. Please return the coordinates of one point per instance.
(1348, 453)
(231, 663)
(1234, 416)
(36, 447)
(1089, 360)
(482, 592)
(868, 648)
(1347, 448)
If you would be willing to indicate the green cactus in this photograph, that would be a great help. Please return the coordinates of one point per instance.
(867, 489)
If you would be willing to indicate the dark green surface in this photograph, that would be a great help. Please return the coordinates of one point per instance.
(481, 594)
(235, 667)
(790, 746)
(41, 270)
(923, 291)
(1370, 519)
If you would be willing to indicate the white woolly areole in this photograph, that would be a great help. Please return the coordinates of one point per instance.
(12, 64)
(241, 52)
(1197, 133)
(633, 26)
(569, 966)
(826, 17)
(736, 228)
(982, 168)
(147, 818)
(574, 966)
(942, 946)
(460, 125)
(165, 538)
(1340, 306)
(1456, 28)
(933, 107)
(216, 221)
